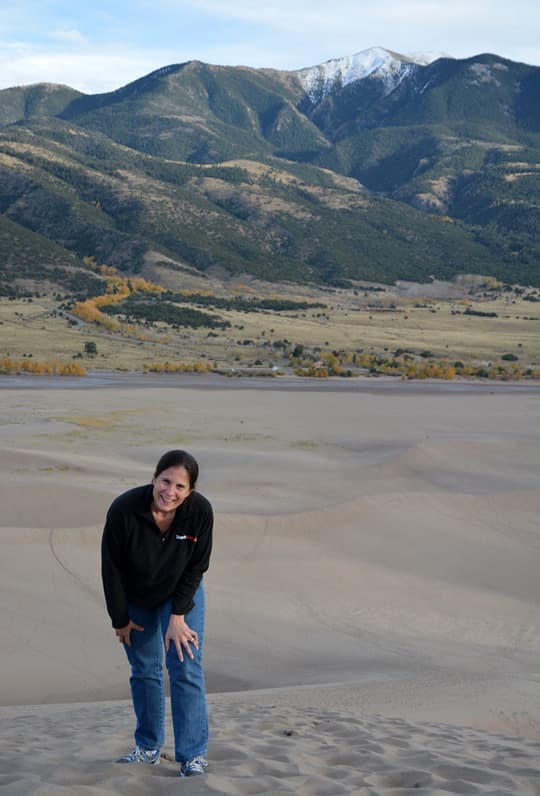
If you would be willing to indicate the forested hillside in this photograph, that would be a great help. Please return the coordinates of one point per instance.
(206, 167)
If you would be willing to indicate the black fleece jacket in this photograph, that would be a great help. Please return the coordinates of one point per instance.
(141, 565)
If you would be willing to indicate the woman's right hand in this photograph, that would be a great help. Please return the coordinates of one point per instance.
(124, 633)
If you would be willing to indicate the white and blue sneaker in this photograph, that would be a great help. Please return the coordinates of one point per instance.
(138, 755)
(193, 768)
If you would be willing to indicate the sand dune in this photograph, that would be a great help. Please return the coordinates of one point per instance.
(374, 588)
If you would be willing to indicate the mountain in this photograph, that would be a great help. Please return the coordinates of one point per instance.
(377, 166)
(41, 99)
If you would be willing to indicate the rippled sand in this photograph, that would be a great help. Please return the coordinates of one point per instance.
(373, 593)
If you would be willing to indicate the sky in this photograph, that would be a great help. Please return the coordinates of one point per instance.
(100, 45)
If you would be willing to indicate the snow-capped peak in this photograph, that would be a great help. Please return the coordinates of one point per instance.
(318, 81)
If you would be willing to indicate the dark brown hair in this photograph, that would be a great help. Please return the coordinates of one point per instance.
(179, 459)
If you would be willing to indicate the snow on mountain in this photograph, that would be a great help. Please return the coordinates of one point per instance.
(391, 68)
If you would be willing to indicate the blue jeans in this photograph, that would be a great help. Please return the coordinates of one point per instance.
(188, 695)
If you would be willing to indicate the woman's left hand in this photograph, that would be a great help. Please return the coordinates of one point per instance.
(181, 635)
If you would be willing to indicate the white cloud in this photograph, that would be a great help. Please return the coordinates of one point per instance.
(460, 27)
(90, 72)
(319, 15)
(69, 35)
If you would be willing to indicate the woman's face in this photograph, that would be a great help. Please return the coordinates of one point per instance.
(171, 488)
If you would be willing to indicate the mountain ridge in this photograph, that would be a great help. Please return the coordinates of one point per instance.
(389, 66)
(446, 164)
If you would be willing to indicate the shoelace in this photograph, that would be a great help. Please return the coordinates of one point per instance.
(197, 765)
(138, 755)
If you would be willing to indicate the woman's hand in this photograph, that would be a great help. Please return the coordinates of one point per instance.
(124, 633)
(181, 636)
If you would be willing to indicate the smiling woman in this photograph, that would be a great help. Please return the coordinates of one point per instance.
(174, 480)
(155, 549)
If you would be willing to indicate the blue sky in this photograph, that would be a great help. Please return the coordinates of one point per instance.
(98, 46)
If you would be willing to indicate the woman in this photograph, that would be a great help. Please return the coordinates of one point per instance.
(156, 546)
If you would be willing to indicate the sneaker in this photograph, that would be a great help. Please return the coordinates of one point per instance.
(138, 755)
(192, 768)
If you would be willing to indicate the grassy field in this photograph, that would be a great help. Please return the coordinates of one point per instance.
(377, 320)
